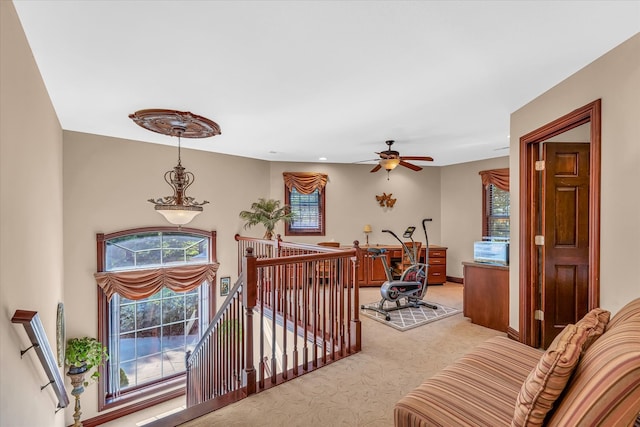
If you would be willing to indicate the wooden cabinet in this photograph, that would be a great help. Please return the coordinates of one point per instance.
(485, 298)
(372, 272)
(437, 265)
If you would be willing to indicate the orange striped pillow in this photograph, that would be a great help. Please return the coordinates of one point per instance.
(595, 322)
(547, 380)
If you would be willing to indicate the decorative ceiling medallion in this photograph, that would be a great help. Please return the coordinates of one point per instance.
(178, 208)
(176, 123)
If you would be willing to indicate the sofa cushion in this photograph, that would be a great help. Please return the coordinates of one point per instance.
(629, 311)
(547, 380)
(605, 388)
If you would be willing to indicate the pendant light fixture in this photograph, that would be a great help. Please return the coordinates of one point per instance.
(178, 209)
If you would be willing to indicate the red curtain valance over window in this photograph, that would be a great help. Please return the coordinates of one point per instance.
(305, 182)
(497, 177)
(139, 284)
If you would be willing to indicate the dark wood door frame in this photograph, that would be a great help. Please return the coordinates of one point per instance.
(590, 113)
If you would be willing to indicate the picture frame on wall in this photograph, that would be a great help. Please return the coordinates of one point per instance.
(225, 283)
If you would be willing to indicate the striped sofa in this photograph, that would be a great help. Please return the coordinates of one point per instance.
(505, 383)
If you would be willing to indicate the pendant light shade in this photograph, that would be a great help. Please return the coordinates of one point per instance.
(179, 215)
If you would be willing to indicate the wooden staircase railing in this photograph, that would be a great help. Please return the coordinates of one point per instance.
(294, 308)
(216, 364)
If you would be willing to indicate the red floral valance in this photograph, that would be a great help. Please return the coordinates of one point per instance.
(497, 177)
(139, 284)
(305, 182)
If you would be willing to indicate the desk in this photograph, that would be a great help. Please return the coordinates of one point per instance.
(371, 271)
(485, 298)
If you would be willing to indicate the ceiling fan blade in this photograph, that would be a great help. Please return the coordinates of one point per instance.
(376, 169)
(410, 166)
(423, 158)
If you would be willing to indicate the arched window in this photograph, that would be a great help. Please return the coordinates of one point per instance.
(155, 287)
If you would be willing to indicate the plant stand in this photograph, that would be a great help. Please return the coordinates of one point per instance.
(77, 381)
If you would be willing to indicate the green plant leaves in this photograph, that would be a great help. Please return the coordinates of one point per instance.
(268, 213)
(85, 350)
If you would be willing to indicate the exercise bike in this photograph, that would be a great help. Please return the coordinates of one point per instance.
(412, 285)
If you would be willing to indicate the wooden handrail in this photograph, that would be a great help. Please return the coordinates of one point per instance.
(265, 248)
(214, 366)
(293, 259)
(216, 320)
(38, 338)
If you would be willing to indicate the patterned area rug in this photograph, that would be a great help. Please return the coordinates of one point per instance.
(411, 317)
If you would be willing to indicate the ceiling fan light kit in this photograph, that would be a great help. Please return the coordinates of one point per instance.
(178, 209)
(389, 164)
(390, 159)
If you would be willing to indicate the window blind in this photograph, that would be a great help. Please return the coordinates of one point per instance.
(498, 211)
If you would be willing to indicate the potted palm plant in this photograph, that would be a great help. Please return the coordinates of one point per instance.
(268, 213)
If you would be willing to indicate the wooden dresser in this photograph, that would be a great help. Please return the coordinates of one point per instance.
(485, 298)
(371, 272)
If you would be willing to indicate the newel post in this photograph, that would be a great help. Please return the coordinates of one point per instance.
(249, 300)
(277, 244)
(356, 329)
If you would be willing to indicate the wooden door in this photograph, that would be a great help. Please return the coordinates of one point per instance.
(565, 270)
(531, 213)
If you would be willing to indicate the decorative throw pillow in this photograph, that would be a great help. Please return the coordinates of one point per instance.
(595, 322)
(547, 380)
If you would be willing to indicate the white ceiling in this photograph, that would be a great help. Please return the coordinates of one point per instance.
(296, 81)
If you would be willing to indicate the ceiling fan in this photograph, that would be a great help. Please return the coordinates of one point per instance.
(389, 159)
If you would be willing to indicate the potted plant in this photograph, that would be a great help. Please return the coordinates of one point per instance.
(84, 354)
(268, 213)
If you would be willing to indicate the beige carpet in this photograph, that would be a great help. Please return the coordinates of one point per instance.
(362, 389)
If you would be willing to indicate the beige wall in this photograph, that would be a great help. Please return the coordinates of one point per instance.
(351, 201)
(462, 209)
(451, 196)
(107, 182)
(31, 274)
(614, 78)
